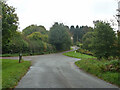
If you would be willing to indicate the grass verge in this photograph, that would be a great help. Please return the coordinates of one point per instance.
(12, 72)
(92, 65)
(77, 55)
(13, 55)
(24, 54)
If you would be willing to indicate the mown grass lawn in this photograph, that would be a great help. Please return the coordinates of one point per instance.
(12, 71)
(92, 65)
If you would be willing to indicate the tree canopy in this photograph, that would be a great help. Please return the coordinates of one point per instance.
(87, 40)
(9, 24)
(34, 28)
(78, 32)
(104, 40)
(59, 36)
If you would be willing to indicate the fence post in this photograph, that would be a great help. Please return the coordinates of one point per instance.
(20, 57)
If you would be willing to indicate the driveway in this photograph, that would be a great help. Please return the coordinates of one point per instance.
(58, 71)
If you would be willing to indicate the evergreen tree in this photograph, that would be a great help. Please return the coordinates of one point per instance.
(78, 32)
(104, 40)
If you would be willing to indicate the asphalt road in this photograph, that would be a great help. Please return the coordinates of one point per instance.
(58, 71)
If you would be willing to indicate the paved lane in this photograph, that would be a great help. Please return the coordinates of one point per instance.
(58, 71)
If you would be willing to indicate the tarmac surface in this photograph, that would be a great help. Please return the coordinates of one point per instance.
(58, 71)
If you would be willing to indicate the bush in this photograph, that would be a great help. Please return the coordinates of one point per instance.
(37, 45)
(87, 40)
(83, 51)
(113, 66)
(50, 48)
(79, 44)
(17, 44)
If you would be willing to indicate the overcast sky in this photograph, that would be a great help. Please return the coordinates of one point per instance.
(69, 12)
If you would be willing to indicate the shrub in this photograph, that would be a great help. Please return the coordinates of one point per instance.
(113, 66)
(83, 51)
(50, 48)
(18, 44)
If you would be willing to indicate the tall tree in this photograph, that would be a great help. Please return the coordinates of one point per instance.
(59, 36)
(9, 25)
(78, 32)
(104, 40)
(72, 28)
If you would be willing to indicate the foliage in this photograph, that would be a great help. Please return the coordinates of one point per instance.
(104, 40)
(38, 36)
(9, 25)
(87, 40)
(37, 39)
(94, 67)
(113, 65)
(12, 71)
(34, 28)
(18, 44)
(33, 38)
(79, 44)
(83, 51)
(59, 37)
(78, 55)
(37, 43)
(79, 32)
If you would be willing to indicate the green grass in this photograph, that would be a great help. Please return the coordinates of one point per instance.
(92, 65)
(12, 71)
(23, 54)
(12, 55)
(77, 55)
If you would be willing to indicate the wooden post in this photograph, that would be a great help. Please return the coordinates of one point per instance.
(20, 57)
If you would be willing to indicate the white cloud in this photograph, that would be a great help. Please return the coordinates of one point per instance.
(70, 12)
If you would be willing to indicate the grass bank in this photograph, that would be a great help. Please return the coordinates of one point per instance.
(93, 66)
(12, 72)
(77, 55)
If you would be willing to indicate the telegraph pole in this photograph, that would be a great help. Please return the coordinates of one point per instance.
(118, 16)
